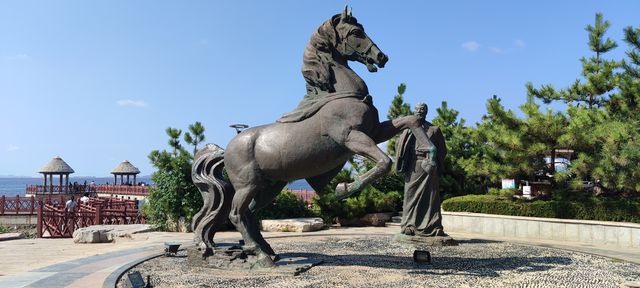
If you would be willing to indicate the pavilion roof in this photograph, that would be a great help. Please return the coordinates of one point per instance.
(56, 166)
(125, 168)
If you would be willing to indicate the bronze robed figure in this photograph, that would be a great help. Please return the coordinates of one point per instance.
(422, 164)
(335, 120)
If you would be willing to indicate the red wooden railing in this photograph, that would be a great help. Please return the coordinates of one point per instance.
(81, 189)
(55, 222)
(305, 195)
(26, 205)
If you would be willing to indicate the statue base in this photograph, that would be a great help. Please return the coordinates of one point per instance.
(232, 257)
(425, 240)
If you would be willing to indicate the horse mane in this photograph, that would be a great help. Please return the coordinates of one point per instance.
(318, 57)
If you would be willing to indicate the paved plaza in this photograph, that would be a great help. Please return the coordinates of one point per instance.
(357, 257)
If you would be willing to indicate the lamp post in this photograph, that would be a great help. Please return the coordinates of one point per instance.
(239, 127)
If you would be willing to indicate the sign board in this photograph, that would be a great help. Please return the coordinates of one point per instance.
(508, 184)
(526, 191)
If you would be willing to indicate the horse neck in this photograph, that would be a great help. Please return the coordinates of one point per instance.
(342, 77)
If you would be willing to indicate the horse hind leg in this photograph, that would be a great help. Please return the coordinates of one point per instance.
(260, 201)
(242, 218)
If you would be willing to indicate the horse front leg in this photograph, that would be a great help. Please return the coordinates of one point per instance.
(387, 129)
(361, 144)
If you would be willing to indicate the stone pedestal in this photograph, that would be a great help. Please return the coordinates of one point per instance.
(425, 241)
(231, 257)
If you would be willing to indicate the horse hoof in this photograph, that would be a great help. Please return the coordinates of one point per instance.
(265, 261)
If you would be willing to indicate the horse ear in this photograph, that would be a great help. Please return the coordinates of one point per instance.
(345, 13)
(350, 10)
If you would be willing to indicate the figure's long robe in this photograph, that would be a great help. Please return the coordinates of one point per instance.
(421, 208)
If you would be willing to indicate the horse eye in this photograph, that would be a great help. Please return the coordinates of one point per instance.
(357, 33)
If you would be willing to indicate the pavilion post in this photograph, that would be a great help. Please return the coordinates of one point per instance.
(45, 184)
(134, 179)
(115, 179)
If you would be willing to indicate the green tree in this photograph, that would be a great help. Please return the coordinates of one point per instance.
(598, 73)
(174, 139)
(515, 147)
(459, 143)
(174, 195)
(398, 108)
(195, 136)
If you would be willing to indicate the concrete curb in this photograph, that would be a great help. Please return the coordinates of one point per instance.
(112, 280)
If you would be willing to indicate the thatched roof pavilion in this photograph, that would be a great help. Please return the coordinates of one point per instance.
(56, 166)
(124, 169)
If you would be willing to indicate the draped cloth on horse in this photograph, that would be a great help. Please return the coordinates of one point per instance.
(311, 104)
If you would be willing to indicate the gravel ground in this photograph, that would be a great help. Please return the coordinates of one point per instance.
(377, 261)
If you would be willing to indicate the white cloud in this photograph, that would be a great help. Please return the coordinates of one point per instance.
(496, 50)
(19, 57)
(12, 148)
(471, 45)
(519, 43)
(131, 103)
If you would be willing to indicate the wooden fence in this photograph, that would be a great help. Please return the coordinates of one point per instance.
(55, 222)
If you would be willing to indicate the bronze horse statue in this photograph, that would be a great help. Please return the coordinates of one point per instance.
(334, 121)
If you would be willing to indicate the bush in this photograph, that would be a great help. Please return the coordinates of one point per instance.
(620, 210)
(286, 205)
(370, 200)
(4, 229)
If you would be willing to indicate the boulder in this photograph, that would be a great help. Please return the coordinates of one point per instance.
(11, 236)
(107, 233)
(292, 225)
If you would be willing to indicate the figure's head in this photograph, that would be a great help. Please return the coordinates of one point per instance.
(421, 110)
(354, 44)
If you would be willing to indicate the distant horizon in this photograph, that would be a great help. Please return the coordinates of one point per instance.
(70, 176)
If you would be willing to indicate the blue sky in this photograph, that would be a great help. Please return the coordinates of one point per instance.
(97, 82)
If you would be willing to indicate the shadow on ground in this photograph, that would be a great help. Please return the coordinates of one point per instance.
(485, 267)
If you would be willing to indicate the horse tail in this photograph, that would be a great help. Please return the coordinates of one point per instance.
(216, 191)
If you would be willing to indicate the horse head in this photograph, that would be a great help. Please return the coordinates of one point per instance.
(337, 41)
(354, 44)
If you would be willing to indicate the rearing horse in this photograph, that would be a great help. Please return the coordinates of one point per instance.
(334, 121)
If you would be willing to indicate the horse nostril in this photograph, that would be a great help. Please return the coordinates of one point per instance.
(382, 58)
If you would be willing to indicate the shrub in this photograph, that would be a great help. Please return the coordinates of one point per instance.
(621, 210)
(4, 229)
(286, 205)
(370, 200)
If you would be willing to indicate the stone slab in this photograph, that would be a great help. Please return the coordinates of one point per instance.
(108, 233)
(292, 225)
(11, 236)
(425, 241)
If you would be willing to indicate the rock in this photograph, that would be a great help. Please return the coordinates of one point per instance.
(630, 284)
(107, 233)
(426, 241)
(292, 225)
(11, 236)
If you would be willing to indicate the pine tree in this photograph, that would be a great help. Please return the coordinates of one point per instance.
(398, 108)
(513, 147)
(459, 146)
(195, 136)
(598, 73)
(174, 139)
